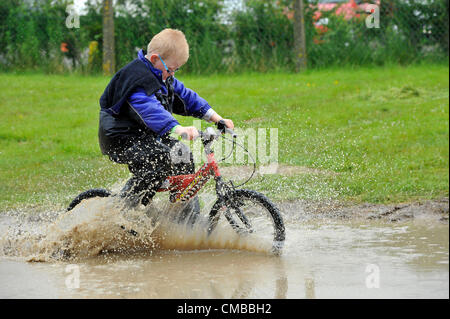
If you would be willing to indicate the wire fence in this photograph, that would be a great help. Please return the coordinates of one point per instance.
(226, 35)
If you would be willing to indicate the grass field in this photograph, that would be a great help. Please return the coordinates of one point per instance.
(370, 134)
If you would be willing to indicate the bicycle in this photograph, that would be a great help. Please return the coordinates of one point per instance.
(233, 203)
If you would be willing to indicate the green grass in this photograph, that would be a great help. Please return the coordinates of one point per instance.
(378, 134)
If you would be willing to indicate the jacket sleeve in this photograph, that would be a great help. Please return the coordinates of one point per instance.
(151, 112)
(195, 105)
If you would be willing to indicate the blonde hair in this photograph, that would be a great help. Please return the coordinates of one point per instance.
(170, 43)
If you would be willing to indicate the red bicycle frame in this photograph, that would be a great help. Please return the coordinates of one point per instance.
(184, 187)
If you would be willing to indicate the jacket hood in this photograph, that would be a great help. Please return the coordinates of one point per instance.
(155, 71)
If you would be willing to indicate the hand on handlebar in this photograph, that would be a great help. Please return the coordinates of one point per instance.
(191, 132)
(226, 126)
(229, 123)
(187, 132)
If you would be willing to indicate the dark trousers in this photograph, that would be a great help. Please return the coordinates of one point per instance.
(151, 160)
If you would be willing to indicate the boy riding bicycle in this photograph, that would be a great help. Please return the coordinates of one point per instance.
(136, 116)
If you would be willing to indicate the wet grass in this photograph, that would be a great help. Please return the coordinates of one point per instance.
(382, 132)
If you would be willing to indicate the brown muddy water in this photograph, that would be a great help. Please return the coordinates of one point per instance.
(86, 254)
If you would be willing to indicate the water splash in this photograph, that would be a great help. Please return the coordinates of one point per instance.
(104, 225)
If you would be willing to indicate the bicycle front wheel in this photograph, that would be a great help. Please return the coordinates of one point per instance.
(250, 213)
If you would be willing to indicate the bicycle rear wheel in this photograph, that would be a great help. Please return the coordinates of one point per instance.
(96, 192)
(250, 213)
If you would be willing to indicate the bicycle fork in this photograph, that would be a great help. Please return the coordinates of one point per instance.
(224, 193)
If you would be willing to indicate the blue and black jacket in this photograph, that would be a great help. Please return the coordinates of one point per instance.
(138, 101)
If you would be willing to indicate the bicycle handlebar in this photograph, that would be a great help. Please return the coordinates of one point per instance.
(221, 129)
(231, 132)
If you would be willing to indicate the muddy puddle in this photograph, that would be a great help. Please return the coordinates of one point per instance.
(89, 253)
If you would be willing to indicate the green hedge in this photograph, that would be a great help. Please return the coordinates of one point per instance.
(257, 37)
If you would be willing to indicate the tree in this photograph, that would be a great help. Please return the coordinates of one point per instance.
(109, 59)
(299, 36)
